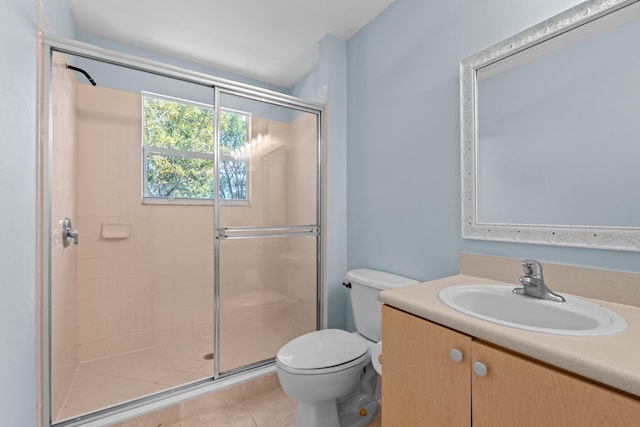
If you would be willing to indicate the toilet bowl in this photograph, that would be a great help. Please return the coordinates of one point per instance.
(318, 368)
(329, 372)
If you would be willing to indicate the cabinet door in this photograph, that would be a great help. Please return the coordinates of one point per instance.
(519, 392)
(421, 384)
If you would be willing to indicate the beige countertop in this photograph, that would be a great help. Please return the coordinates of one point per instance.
(613, 360)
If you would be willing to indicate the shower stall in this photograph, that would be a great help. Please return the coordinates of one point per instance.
(181, 223)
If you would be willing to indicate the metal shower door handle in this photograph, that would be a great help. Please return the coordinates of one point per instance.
(68, 233)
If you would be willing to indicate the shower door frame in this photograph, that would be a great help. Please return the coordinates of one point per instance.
(51, 44)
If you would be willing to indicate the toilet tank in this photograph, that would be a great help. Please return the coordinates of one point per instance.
(367, 310)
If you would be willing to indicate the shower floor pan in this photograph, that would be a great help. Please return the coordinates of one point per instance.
(112, 380)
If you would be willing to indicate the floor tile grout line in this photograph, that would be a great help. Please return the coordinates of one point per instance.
(246, 408)
(66, 396)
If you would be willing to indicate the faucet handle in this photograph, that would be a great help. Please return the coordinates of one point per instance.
(532, 267)
(68, 233)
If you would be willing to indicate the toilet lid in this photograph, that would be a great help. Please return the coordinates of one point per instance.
(322, 349)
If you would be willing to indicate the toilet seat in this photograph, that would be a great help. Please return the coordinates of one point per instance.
(324, 351)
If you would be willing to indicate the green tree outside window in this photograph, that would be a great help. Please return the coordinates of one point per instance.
(179, 152)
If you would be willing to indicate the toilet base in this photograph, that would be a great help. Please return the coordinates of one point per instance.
(355, 419)
(356, 409)
(322, 414)
(325, 414)
(360, 407)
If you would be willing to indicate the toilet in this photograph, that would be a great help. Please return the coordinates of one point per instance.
(329, 372)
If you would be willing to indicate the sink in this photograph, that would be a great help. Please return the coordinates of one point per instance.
(498, 304)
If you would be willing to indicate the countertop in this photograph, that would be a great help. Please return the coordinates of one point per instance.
(612, 360)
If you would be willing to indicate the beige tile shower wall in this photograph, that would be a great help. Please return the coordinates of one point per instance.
(302, 181)
(252, 287)
(268, 282)
(280, 271)
(64, 336)
(301, 261)
(156, 285)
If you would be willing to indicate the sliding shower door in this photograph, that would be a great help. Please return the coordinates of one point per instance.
(180, 230)
(267, 228)
(132, 163)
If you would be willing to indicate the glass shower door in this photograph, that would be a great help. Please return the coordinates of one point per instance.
(266, 229)
(197, 206)
(132, 301)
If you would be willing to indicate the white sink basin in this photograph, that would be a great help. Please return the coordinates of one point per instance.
(498, 304)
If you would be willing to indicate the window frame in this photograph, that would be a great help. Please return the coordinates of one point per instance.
(171, 152)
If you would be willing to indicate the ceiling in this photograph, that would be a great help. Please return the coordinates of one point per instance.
(274, 41)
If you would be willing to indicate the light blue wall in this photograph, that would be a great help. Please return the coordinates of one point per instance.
(333, 76)
(328, 84)
(18, 196)
(403, 137)
(403, 158)
(143, 53)
(56, 18)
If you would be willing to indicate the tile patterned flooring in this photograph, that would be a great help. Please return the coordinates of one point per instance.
(271, 408)
(246, 405)
(112, 380)
(260, 402)
(105, 382)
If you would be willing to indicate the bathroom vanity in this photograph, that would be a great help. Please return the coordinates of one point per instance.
(445, 368)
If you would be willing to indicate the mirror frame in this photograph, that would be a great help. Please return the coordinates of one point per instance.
(600, 237)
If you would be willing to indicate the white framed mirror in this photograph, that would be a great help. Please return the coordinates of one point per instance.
(550, 132)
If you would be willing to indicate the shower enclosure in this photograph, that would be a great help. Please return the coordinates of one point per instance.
(195, 208)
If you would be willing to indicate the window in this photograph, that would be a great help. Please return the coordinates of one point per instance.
(178, 152)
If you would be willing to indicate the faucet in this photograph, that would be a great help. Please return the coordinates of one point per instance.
(68, 233)
(533, 283)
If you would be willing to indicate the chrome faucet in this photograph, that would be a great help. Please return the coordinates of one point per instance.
(533, 283)
(68, 233)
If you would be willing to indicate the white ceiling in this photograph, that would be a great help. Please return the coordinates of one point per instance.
(274, 41)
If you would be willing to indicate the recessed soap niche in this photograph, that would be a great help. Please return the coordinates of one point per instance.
(115, 230)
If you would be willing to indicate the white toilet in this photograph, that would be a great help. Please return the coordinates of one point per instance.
(329, 372)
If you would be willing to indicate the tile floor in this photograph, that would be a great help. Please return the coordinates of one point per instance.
(112, 380)
(260, 403)
(104, 382)
(271, 408)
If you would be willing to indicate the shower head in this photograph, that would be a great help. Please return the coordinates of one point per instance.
(71, 67)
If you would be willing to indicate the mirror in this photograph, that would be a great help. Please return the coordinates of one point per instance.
(551, 132)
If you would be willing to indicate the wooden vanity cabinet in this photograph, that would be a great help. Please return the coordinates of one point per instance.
(423, 386)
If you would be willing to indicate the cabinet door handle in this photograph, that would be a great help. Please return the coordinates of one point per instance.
(456, 355)
(480, 369)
